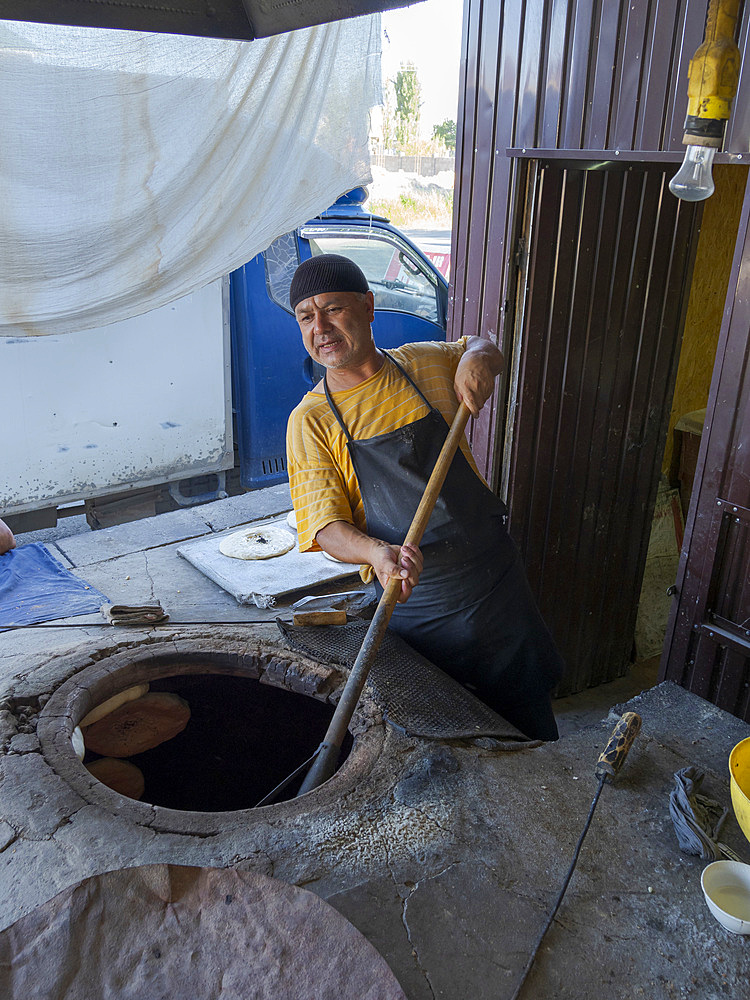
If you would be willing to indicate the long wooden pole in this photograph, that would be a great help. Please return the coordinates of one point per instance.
(328, 753)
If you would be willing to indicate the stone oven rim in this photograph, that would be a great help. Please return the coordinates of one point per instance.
(92, 678)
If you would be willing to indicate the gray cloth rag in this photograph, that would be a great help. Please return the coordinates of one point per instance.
(697, 819)
(134, 614)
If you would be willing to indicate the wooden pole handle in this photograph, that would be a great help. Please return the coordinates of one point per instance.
(328, 753)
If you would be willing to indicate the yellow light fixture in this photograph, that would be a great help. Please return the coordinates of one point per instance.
(712, 83)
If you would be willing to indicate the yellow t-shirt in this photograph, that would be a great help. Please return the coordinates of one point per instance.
(321, 476)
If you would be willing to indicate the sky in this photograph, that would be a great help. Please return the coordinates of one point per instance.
(429, 35)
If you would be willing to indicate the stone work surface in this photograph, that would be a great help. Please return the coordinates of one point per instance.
(446, 856)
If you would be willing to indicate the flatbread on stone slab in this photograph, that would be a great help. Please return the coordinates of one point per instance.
(120, 775)
(257, 543)
(139, 725)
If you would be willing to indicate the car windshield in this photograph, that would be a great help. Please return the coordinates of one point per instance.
(398, 281)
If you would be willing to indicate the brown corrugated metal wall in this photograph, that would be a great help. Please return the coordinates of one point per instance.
(597, 348)
(567, 81)
(566, 78)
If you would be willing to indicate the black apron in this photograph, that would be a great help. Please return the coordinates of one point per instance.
(472, 613)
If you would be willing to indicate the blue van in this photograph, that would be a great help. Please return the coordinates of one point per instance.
(271, 371)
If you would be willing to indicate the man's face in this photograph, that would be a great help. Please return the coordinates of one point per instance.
(336, 328)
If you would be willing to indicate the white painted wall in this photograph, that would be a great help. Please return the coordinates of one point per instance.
(140, 402)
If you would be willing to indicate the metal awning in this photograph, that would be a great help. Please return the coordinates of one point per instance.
(243, 19)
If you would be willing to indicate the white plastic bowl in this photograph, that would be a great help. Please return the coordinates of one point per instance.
(726, 886)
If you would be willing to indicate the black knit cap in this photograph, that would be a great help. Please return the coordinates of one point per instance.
(328, 272)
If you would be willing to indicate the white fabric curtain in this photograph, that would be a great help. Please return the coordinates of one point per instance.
(137, 167)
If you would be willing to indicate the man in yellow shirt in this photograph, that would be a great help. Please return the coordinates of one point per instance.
(360, 450)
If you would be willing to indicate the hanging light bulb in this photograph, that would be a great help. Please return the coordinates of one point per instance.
(713, 74)
(693, 181)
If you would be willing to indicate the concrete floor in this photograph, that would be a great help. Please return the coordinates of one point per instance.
(446, 856)
(588, 707)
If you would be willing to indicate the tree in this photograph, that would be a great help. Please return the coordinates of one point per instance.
(408, 102)
(446, 133)
(389, 117)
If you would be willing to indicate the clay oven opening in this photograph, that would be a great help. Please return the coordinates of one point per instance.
(245, 720)
(242, 739)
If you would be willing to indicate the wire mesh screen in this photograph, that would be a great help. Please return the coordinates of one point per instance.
(414, 695)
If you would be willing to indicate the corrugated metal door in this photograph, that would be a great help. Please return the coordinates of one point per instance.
(599, 321)
(568, 77)
(708, 642)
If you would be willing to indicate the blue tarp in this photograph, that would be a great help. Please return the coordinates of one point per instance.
(35, 587)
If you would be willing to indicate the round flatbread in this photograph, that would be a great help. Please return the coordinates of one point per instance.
(257, 543)
(291, 519)
(139, 725)
(334, 559)
(78, 745)
(173, 931)
(120, 775)
(130, 694)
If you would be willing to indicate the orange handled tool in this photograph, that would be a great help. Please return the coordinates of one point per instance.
(613, 756)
